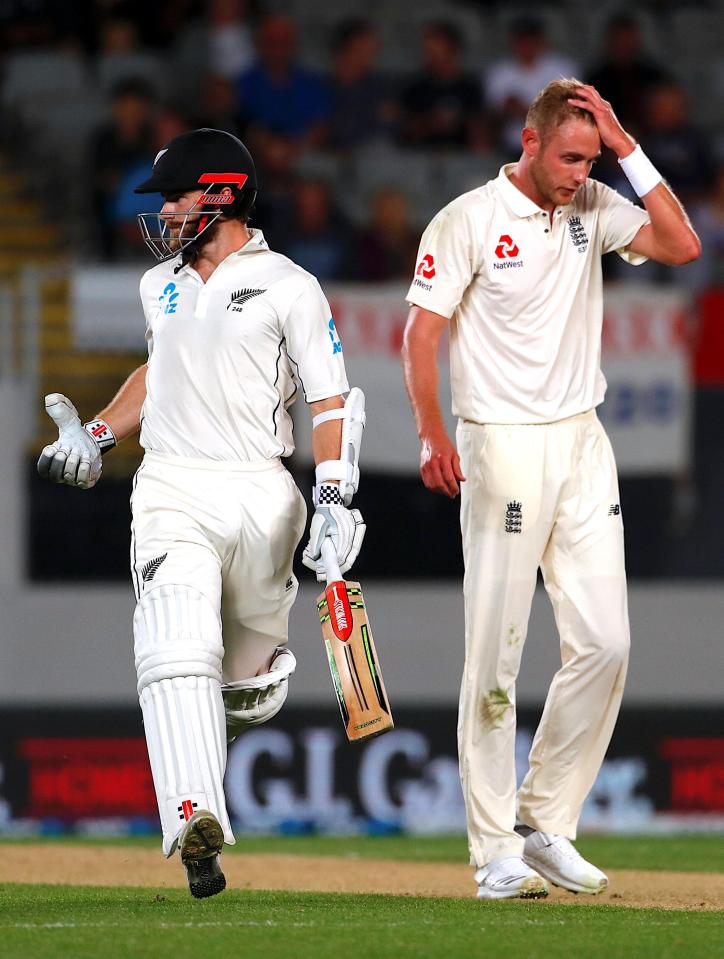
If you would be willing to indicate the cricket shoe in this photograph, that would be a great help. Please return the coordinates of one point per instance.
(199, 844)
(509, 878)
(556, 858)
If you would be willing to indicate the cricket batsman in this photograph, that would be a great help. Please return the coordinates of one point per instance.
(514, 268)
(235, 333)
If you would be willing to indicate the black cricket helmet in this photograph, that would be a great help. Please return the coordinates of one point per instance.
(207, 160)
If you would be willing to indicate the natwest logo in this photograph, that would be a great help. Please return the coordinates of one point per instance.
(506, 248)
(426, 267)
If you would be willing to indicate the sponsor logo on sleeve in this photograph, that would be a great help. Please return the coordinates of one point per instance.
(426, 269)
(334, 337)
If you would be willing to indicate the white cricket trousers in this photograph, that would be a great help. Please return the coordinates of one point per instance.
(538, 496)
(211, 555)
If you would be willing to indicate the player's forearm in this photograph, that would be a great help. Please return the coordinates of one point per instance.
(671, 228)
(327, 437)
(123, 413)
(419, 359)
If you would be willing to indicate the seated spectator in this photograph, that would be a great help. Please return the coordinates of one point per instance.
(278, 95)
(231, 50)
(707, 217)
(387, 249)
(319, 238)
(362, 106)
(118, 147)
(216, 105)
(512, 84)
(626, 75)
(442, 107)
(675, 146)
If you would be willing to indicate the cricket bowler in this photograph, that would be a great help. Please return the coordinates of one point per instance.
(514, 268)
(235, 334)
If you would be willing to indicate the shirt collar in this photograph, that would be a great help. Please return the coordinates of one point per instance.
(518, 202)
(255, 244)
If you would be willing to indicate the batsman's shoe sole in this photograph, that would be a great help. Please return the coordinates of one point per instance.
(199, 845)
(510, 878)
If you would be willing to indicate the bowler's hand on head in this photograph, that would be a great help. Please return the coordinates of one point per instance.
(611, 132)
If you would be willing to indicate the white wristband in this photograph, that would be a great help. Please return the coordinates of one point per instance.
(642, 174)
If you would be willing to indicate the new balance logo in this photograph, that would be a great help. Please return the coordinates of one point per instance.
(514, 517)
(151, 568)
(614, 510)
(239, 298)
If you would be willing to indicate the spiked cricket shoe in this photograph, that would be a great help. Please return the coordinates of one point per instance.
(199, 845)
(556, 858)
(509, 878)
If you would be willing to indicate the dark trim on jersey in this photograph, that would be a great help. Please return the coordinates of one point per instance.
(134, 571)
(299, 375)
(276, 380)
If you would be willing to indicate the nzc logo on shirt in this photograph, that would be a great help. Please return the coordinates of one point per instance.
(334, 337)
(168, 298)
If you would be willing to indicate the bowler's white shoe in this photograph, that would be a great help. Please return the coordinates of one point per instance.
(509, 878)
(556, 858)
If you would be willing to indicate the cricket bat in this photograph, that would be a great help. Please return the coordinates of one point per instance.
(352, 655)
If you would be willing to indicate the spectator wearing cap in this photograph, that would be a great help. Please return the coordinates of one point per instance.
(442, 107)
(513, 83)
(363, 108)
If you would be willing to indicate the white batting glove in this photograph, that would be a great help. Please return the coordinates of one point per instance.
(345, 527)
(75, 457)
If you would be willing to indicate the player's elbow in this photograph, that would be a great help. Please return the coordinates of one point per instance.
(688, 251)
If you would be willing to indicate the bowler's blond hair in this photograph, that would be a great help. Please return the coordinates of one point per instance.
(551, 107)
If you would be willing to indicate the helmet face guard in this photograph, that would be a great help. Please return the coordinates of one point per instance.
(156, 230)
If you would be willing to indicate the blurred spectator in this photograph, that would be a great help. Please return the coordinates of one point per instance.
(231, 50)
(121, 55)
(387, 249)
(278, 95)
(707, 217)
(216, 105)
(678, 150)
(363, 107)
(442, 107)
(626, 75)
(25, 24)
(319, 238)
(512, 84)
(117, 147)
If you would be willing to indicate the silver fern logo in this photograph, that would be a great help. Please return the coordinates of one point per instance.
(151, 568)
(239, 298)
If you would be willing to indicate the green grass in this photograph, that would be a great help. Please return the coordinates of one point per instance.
(692, 853)
(55, 922)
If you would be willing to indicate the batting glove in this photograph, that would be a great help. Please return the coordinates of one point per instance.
(75, 457)
(345, 527)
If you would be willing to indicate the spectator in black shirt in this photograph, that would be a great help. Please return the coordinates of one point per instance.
(363, 108)
(675, 146)
(442, 107)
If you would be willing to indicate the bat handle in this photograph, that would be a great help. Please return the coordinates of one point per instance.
(329, 558)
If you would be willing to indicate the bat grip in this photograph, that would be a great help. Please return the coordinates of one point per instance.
(329, 558)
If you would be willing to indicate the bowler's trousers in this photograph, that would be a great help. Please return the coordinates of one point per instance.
(538, 496)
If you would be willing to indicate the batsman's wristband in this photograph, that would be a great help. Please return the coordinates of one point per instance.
(642, 174)
(102, 434)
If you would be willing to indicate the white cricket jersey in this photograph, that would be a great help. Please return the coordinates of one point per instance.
(226, 358)
(525, 297)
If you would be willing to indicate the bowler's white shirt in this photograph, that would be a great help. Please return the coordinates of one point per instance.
(524, 296)
(226, 358)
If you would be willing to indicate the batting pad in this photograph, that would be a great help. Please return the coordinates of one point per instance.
(178, 650)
